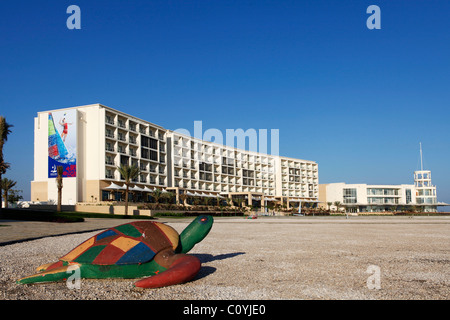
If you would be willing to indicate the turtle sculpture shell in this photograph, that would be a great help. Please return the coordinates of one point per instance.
(130, 243)
(133, 250)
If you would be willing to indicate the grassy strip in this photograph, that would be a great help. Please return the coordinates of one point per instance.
(34, 215)
(62, 217)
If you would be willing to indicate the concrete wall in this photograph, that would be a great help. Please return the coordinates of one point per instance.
(39, 191)
(110, 209)
(323, 196)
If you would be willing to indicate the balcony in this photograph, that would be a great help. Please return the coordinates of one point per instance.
(132, 140)
(121, 124)
(109, 135)
(110, 121)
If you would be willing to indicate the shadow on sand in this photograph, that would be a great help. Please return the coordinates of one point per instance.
(204, 258)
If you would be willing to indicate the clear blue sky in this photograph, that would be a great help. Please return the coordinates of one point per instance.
(355, 100)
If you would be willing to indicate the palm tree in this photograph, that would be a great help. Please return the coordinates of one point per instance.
(183, 197)
(7, 185)
(338, 205)
(156, 195)
(128, 174)
(206, 201)
(329, 205)
(239, 201)
(168, 196)
(4, 132)
(59, 185)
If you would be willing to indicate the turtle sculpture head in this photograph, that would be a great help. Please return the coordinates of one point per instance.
(194, 233)
(133, 250)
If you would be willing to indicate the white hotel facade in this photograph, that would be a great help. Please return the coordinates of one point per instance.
(380, 198)
(105, 138)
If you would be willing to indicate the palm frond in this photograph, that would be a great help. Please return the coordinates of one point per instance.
(7, 184)
(128, 172)
(5, 129)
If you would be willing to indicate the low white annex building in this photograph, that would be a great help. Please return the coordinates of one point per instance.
(380, 198)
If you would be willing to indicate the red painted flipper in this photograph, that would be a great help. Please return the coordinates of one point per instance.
(183, 269)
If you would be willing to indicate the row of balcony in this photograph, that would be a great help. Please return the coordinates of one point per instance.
(122, 150)
(185, 146)
(224, 161)
(302, 179)
(299, 172)
(133, 152)
(291, 164)
(143, 178)
(126, 124)
(143, 165)
(223, 180)
(308, 194)
(298, 188)
(222, 188)
(191, 168)
(130, 139)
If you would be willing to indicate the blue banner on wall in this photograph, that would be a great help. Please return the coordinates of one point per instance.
(62, 143)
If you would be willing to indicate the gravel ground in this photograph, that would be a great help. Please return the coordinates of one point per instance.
(270, 259)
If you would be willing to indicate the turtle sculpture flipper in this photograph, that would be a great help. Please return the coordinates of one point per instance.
(182, 268)
(133, 250)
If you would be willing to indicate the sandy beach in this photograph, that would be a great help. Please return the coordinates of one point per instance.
(269, 258)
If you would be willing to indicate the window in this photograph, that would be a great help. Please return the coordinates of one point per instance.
(149, 154)
(349, 195)
(205, 166)
(124, 160)
(149, 143)
(408, 195)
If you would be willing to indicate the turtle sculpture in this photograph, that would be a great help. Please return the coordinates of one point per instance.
(133, 250)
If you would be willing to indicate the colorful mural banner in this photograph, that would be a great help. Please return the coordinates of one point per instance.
(62, 143)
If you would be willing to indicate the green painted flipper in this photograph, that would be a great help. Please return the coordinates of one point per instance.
(91, 271)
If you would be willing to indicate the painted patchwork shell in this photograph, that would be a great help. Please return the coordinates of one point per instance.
(131, 243)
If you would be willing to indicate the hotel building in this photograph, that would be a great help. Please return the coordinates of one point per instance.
(103, 138)
(379, 198)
